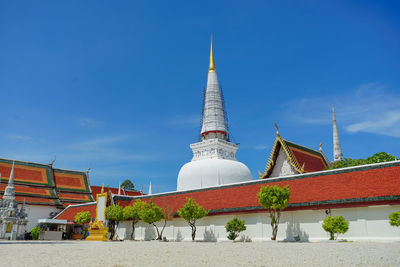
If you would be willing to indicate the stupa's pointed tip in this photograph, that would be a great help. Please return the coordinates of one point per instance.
(212, 63)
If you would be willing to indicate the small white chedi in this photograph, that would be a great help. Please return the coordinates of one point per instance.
(214, 158)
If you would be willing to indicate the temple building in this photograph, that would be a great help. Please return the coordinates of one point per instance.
(214, 157)
(47, 190)
(13, 220)
(288, 158)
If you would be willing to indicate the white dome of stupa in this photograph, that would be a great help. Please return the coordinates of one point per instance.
(212, 172)
(214, 158)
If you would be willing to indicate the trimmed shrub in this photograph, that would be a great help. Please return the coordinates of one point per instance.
(35, 232)
(394, 218)
(234, 227)
(335, 225)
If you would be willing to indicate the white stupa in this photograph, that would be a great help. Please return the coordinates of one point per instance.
(214, 158)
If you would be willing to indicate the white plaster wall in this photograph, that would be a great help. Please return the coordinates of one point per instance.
(36, 212)
(366, 223)
(282, 166)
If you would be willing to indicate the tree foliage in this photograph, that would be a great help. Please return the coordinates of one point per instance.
(131, 213)
(335, 225)
(191, 212)
(114, 214)
(83, 217)
(394, 218)
(274, 199)
(152, 213)
(376, 158)
(35, 231)
(234, 227)
(127, 185)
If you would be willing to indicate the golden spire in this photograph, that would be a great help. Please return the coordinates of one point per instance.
(212, 63)
(277, 129)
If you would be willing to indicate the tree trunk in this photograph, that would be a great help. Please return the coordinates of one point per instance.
(274, 232)
(275, 216)
(84, 233)
(111, 227)
(158, 232)
(193, 232)
(133, 230)
(162, 230)
(332, 236)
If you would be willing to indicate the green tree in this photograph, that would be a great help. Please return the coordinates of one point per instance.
(394, 218)
(114, 214)
(234, 227)
(127, 185)
(335, 225)
(151, 213)
(168, 215)
(83, 218)
(131, 213)
(35, 232)
(274, 199)
(191, 212)
(376, 158)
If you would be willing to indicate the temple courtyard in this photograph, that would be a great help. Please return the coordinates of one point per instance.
(154, 253)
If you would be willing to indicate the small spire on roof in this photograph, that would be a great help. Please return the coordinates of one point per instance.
(277, 129)
(150, 193)
(54, 160)
(320, 146)
(102, 188)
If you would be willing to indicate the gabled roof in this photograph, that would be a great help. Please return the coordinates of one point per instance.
(41, 184)
(70, 212)
(301, 158)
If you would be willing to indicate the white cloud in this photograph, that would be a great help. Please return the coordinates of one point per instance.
(89, 123)
(186, 120)
(261, 147)
(368, 108)
(387, 124)
(23, 138)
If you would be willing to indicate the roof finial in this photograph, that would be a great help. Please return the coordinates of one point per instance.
(102, 189)
(277, 129)
(212, 63)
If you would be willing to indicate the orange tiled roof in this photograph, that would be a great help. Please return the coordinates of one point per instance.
(365, 185)
(70, 212)
(44, 185)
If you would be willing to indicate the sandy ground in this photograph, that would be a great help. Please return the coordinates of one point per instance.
(154, 253)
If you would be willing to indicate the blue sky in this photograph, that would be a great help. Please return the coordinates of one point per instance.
(117, 85)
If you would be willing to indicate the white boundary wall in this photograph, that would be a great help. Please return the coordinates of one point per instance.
(36, 212)
(366, 223)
